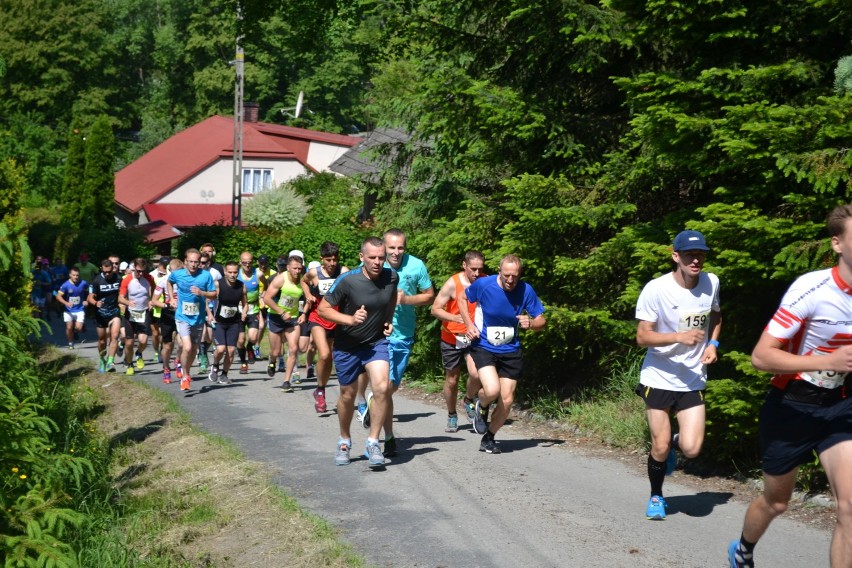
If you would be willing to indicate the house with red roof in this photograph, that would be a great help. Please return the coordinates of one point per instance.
(188, 179)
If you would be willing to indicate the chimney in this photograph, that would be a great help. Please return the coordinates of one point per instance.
(251, 112)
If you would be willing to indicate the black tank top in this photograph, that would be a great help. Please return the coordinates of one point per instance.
(228, 307)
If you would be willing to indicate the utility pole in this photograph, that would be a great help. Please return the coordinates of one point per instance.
(239, 68)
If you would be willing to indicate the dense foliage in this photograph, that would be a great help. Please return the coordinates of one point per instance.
(581, 135)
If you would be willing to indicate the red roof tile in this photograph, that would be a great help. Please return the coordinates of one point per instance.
(184, 215)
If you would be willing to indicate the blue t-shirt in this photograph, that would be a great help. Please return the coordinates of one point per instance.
(497, 311)
(75, 295)
(190, 307)
(413, 279)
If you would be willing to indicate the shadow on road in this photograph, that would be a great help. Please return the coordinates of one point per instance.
(698, 505)
(412, 417)
(516, 445)
(136, 434)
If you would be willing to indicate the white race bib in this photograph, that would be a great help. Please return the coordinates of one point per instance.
(500, 335)
(462, 342)
(689, 322)
(74, 300)
(190, 309)
(324, 286)
(824, 379)
(137, 316)
(288, 302)
(228, 311)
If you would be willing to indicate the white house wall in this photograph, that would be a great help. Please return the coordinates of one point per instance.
(321, 156)
(214, 185)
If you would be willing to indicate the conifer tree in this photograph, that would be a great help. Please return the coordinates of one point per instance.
(74, 177)
(98, 199)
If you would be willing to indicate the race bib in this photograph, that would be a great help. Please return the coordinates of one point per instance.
(824, 379)
(137, 316)
(228, 312)
(288, 302)
(689, 322)
(500, 335)
(189, 309)
(74, 300)
(462, 342)
(324, 286)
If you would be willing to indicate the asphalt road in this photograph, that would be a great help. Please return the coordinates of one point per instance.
(442, 503)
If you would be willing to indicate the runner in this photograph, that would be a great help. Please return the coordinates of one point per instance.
(135, 295)
(282, 297)
(505, 303)
(231, 312)
(103, 294)
(264, 275)
(210, 251)
(59, 275)
(72, 294)
(188, 289)
(167, 324)
(158, 275)
(204, 262)
(415, 289)
(316, 283)
(88, 271)
(455, 345)
(249, 337)
(679, 323)
(808, 408)
(42, 289)
(362, 303)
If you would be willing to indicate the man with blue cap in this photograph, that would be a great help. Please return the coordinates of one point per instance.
(679, 324)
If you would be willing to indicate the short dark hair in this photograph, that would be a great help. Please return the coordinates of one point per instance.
(232, 263)
(329, 248)
(373, 242)
(473, 255)
(106, 262)
(836, 220)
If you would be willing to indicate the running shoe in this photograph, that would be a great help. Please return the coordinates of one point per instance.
(286, 387)
(159, 359)
(319, 400)
(489, 446)
(244, 369)
(167, 377)
(202, 368)
(224, 380)
(129, 370)
(470, 409)
(366, 421)
(361, 411)
(250, 356)
(656, 510)
(71, 346)
(101, 365)
(310, 373)
(341, 457)
(296, 379)
(736, 560)
(452, 423)
(390, 447)
(140, 363)
(281, 366)
(213, 377)
(257, 354)
(110, 367)
(270, 370)
(373, 453)
(179, 371)
(184, 383)
(480, 418)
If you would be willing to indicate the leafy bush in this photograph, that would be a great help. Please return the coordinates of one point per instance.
(277, 209)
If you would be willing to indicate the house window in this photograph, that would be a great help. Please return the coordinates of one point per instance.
(256, 180)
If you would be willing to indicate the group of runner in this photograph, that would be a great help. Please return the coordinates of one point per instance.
(362, 320)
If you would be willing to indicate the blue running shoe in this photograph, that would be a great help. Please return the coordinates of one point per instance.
(736, 559)
(361, 411)
(671, 461)
(341, 457)
(365, 421)
(656, 510)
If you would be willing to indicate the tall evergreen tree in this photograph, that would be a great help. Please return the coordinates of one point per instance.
(99, 178)
(74, 177)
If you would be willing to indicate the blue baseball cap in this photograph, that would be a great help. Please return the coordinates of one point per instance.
(689, 240)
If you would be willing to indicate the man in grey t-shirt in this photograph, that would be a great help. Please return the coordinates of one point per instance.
(362, 303)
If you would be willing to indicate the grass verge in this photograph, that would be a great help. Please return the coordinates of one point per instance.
(180, 497)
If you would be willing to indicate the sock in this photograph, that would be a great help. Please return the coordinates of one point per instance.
(656, 475)
(488, 435)
(452, 414)
(360, 400)
(242, 353)
(347, 441)
(250, 346)
(744, 553)
(110, 361)
(388, 437)
(372, 441)
(139, 354)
